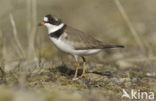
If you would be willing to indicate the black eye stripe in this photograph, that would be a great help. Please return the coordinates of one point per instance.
(46, 21)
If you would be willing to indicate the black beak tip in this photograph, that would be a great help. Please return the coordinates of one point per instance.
(39, 24)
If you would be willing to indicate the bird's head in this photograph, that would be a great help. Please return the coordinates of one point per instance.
(50, 20)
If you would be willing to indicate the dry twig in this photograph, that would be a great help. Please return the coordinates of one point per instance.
(130, 25)
(16, 36)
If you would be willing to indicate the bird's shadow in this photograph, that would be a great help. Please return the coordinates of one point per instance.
(64, 70)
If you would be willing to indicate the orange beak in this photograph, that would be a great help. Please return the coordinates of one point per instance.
(41, 24)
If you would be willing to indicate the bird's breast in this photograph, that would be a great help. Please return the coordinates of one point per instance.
(62, 45)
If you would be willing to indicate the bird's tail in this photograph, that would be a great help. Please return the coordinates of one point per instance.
(113, 46)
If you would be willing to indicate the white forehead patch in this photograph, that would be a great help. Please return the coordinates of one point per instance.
(45, 19)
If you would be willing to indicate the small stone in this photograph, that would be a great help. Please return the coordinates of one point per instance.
(128, 84)
(151, 74)
(75, 79)
(134, 80)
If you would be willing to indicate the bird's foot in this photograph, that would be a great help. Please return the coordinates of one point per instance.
(83, 75)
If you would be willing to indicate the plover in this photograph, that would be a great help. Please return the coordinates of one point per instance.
(73, 41)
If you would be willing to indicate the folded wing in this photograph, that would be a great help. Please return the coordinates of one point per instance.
(81, 41)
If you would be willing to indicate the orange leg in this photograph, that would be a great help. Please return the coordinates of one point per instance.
(76, 71)
(83, 73)
(84, 65)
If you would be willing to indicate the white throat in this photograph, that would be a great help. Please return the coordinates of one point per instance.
(53, 28)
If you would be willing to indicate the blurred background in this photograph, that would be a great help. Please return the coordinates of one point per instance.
(30, 63)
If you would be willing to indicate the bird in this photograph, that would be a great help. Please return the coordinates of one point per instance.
(73, 41)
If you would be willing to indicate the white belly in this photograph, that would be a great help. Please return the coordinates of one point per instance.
(66, 47)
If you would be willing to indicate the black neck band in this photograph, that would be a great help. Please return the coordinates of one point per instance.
(58, 33)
